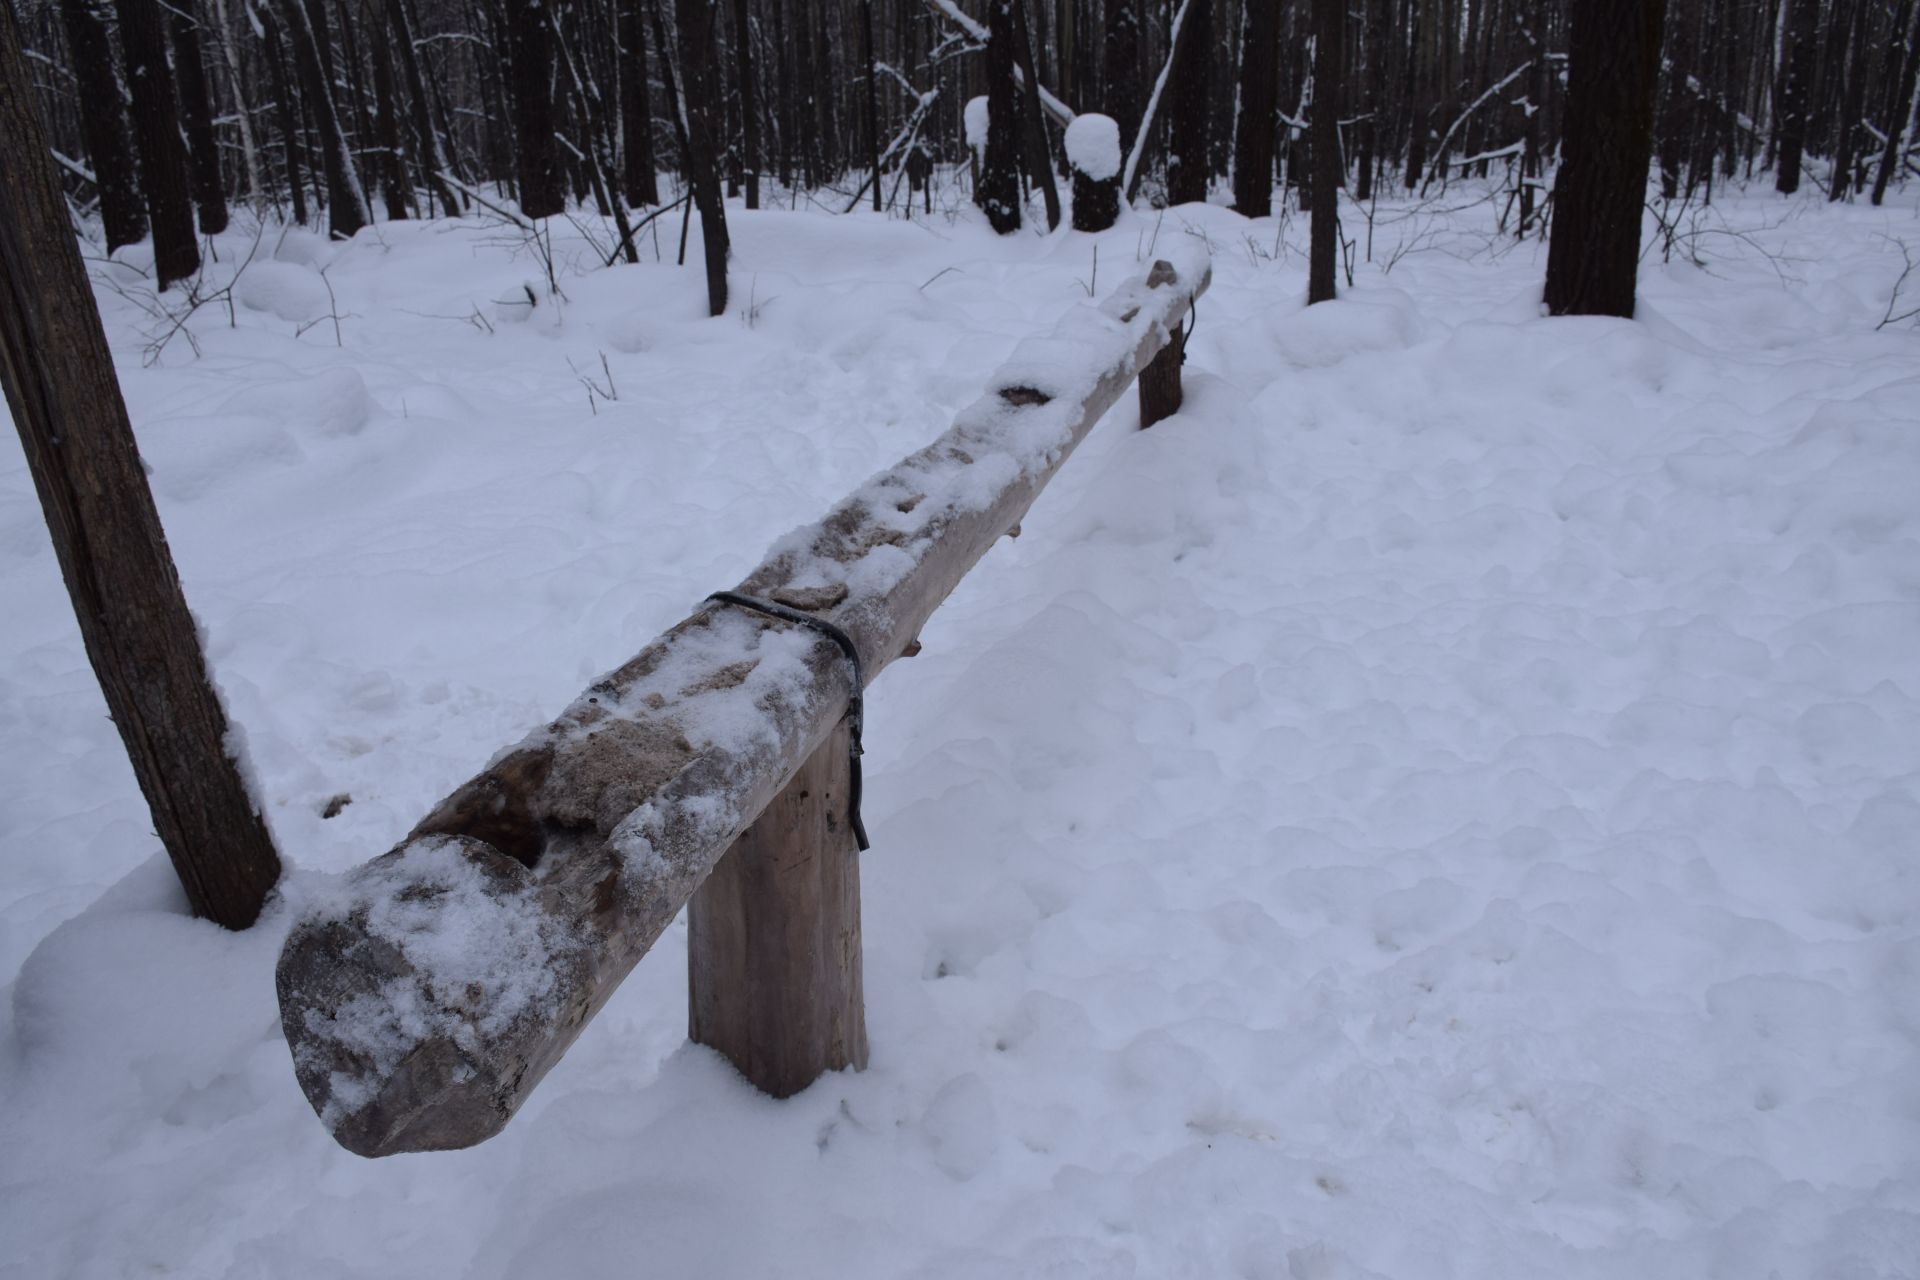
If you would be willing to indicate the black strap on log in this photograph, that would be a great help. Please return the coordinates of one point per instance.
(856, 712)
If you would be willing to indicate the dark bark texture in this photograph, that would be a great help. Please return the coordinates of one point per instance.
(1323, 247)
(1613, 70)
(156, 135)
(103, 123)
(134, 620)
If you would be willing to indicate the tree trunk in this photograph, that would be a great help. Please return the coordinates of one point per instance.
(1039, 155)
(1187, 122)
(346, 203)
(1120, 75)
(426, 143)
(284, 109)
(1613, 70)
(103, 123)
(1253, 141)
(703, 175)
(1796, 89)
(1902, 109)
(1000, 170)
(156, 133)
(873, 99)
(750, 157)
(542, 193)
(1846, 125)
(1329, 43)
(141, 638)
(391, 167)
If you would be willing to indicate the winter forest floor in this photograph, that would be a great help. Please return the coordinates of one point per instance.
(1444, 805)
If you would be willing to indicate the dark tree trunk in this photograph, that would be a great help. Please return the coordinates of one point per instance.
(1796, 90)
(703, 174)
(284, 111)
(1040, 166)
(873, 99)
(1846, 125)
(103, 123)
(636, 109)
(346, 204)
(140, 637)
(1122, 99)
(1000, 170)
(426, 144)
(1329, 44)
(391, 165)
(750, 157)
(1374, 54)
(1613, 71)
(1188, 121)
(1902, 109)
(542, 191)
(1253, 143)
(156, 134)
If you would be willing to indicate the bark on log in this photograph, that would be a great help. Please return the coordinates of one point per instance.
(428, 998)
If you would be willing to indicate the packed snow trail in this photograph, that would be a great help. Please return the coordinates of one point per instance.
(1444, 804)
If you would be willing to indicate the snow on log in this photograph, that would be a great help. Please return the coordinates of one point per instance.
(428, 995)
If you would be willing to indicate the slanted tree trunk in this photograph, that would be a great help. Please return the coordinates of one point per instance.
(703, 173)
(156, 134)
(1253, 143)
(1902, 109)
(1187, 123)
(426, 143)
(141, 638)
(1613, 70)
(542, 191)
(103, 123)
(347, 210)
(1323, 250)
(1000, 170)
(1040, 166)
(1796, 90)
(209, 189)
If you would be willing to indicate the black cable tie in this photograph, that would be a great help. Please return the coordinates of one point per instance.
(856, 709)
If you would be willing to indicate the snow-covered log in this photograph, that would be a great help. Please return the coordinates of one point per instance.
(439, 983)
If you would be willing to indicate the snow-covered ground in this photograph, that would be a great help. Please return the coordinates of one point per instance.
(1444, 805)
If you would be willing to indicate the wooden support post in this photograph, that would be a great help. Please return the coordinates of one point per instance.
(1160, 391)
(773, 937)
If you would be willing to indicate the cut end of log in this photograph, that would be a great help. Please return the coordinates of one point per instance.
(409, 1000)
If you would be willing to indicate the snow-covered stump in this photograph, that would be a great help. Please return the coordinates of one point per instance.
(773, 937)
(428, 994)
(1093, 153)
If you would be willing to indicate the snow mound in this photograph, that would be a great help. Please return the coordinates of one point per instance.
(332, 402)
(284, 289)
(1093, 145)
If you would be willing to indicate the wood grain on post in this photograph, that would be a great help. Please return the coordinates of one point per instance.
(773, 937)
(1160, 391)
(139, 634)
(426, 997)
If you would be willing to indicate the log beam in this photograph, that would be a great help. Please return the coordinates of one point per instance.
(429, 994)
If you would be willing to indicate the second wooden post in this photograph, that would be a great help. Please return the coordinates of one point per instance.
(773, 937)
